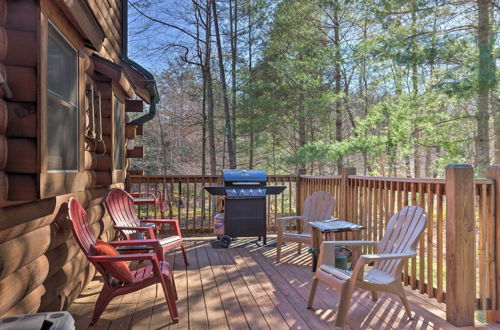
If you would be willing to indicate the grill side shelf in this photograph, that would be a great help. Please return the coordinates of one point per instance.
(215, 190)
(275, 190)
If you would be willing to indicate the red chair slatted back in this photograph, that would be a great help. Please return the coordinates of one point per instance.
(120, 206)
(80, 226)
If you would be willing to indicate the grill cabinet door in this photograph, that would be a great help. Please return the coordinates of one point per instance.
(245, 217)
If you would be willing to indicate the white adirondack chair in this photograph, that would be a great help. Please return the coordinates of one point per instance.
(398, 244)
(317, 207)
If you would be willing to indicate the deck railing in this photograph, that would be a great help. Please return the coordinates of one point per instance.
(183, 197)
(369, 201)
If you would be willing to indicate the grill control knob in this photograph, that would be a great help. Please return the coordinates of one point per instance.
(242, 192)
(234, 192)
(250, 192)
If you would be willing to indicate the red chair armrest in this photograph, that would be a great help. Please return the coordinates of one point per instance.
(149, 230)
(154, 243)
(143, 194)
(125, 257)
(174, 223)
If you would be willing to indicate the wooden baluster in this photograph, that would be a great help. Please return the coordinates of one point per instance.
(163, 200)
(413, 280)
(493, 172)
(364, 210)
(482, 276)
(156, 202)
(430, 240)
(492, 260)
(203, 202)
(421, 244)
(210, 225)
(194, 204)
(171, 199)
(370, 231)
(179, 201)
(439, 240)
(188, 197)
(375, 210)
(290, 196)
(381, 215)
(277, 203)
(344, 192)
(403, 200)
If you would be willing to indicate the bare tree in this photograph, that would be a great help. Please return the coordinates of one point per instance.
(231, 146)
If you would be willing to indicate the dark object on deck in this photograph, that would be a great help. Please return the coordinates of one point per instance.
(245, 194)
(40, 321)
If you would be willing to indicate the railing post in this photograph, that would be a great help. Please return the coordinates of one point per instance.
(493, 172)
(343, 200)
(299, 198)
(460, 247)
(127, 183)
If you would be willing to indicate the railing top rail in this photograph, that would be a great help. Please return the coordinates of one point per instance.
(160, 178)
(173, 176)
(137, 178)
(394, 179)
(320, 176)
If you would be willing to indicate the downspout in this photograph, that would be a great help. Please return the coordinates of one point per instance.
(150, 80)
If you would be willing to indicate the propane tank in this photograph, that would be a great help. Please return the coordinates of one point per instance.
(219, 224)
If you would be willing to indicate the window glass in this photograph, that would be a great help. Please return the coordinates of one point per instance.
(62, 103)
(119, 127)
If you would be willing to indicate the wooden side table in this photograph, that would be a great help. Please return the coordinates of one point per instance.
(322, 228)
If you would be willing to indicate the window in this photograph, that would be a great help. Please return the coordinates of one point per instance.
(62, 104)
(119, 127)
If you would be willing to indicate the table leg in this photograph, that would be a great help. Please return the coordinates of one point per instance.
(356, 250)
(316, 244)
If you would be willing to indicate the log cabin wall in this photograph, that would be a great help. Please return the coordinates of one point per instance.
(41, 265)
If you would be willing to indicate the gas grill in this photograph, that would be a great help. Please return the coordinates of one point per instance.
(244, 194)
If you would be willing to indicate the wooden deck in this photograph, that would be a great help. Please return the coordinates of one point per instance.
(242, 287)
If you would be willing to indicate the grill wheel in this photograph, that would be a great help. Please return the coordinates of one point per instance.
(225, 241)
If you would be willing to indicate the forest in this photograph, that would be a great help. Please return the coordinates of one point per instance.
(391, 87)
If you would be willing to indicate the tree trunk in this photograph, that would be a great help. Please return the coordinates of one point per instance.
(338, 102)
(417, 162)
(250, 42)
(204, 128)
(484, 85)
(209, 88)
(163, 146)
(302, 126)
(364, 92)
(229, 131)
(233, 22)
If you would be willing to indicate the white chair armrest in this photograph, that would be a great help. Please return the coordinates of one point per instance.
(367, 258)
(284, 220)
(298, 217)
(358, 270)
(349, 243)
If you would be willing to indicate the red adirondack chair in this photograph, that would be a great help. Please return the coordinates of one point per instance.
(121, 208)
(155, 271)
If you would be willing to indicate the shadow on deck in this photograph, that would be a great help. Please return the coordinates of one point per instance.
(242, 287)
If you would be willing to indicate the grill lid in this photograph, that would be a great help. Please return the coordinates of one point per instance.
(244, 177)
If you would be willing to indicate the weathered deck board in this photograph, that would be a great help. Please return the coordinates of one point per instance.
(243, 287)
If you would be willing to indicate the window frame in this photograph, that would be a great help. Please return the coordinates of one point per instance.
(60, 99)
(58, 182)
(118, 175)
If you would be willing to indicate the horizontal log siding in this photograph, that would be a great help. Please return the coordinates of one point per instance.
(41, 266)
